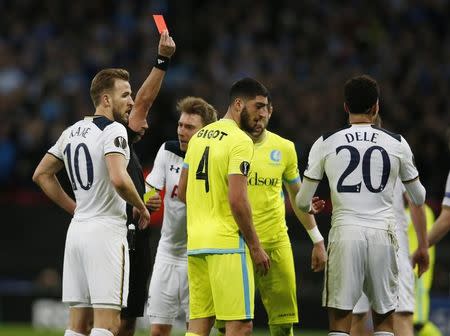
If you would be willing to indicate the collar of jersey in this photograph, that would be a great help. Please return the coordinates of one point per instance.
(90, 117)
(229, 120)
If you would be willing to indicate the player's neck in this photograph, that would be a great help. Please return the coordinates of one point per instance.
(360, 119)
(232, 116)
(104, 112)
(258, 139)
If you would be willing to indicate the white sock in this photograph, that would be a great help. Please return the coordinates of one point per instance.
(337, 333)
(101, 332)
(69, 332)
(383, 333)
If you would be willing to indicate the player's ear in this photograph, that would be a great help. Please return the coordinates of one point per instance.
(270, 110)
(374, 110)
(238, 104)
(346, 109)
(106, 100)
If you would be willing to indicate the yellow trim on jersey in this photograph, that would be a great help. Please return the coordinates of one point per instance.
(214, 152)
(274, 162)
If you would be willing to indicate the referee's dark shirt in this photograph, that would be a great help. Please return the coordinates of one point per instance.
(135, 170)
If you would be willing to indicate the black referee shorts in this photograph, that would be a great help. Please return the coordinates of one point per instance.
(140, 268)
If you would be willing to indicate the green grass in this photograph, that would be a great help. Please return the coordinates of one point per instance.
(26, 330)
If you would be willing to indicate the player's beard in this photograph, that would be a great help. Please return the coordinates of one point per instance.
(245, 121)
(120, 117)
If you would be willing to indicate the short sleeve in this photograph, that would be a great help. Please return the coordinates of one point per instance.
(446, 200)
(57, 149)
(315, 167)
(157, 177)
(241, 155)
(408, 170)
(290, 174)
(115, 140)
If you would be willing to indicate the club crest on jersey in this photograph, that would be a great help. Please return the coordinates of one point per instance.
(275, 156)
(245, 168)
(120, 142)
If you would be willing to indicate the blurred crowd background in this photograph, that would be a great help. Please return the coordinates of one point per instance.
(303, 51)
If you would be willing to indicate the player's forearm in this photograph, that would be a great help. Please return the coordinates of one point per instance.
(242, 214)
(308, 221)
(440, 227)
(420, 224)
(126, 189)
(146, 96)
(52, 188)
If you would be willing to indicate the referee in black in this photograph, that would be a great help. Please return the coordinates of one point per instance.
(140, 263)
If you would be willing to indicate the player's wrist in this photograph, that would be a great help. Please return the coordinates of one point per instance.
(315, 235)
(162, 62)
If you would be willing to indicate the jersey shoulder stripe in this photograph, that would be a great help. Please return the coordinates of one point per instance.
(173, 146)
(328, 134)
(394, 135)
(101, 122)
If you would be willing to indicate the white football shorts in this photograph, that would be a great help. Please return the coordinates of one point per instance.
(406, 281)
(96, 263)
(168, 293)
(361, 259)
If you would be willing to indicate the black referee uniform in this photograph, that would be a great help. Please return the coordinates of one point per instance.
(140, 263)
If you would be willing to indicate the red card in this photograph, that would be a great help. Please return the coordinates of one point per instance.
(160, 23)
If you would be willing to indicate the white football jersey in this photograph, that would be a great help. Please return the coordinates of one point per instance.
(166, 173)
(362, 163)
(446, 199)
(83, 147)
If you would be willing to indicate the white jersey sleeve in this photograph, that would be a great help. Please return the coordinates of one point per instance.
(315, 168)
(157, 177)
(57, 149)
(116, 140)
(446, 200)
(408, 170)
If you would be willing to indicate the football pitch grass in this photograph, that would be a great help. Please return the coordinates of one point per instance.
(27, 330)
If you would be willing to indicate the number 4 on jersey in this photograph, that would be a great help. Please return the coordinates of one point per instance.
(202, 170)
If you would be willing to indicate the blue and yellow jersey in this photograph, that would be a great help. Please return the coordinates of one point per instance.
(214, 152)
(274, 162)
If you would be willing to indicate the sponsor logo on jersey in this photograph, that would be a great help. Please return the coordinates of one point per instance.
(245, 168)
(275, 155)
(258, 180)
(120, 142)
(172, 168)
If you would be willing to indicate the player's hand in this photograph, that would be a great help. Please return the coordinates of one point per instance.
(317, 205)
(154, 203)
(166, 45)
(260, 259)
(144, 218)
(421, 258)
(319, 257)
